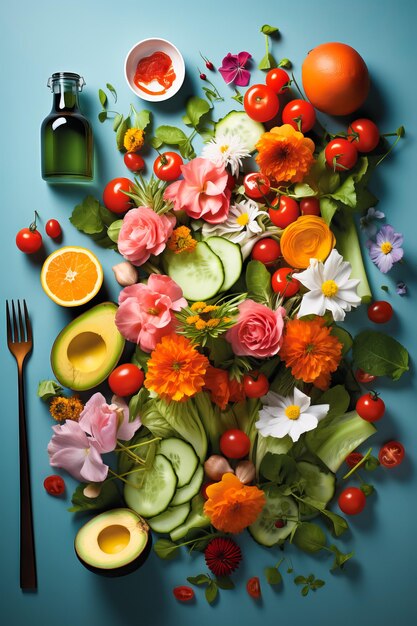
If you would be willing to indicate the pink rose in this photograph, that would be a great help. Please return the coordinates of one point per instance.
(145, 312)
(143, 233)
(203, 193)
(258, 330)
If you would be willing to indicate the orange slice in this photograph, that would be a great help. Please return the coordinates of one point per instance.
(71, 276)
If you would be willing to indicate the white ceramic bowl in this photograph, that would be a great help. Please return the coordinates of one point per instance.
(145, 48)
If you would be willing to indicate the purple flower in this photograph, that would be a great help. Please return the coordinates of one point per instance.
(232, 69)
(386, 250)
(367, 221)
(401, 288)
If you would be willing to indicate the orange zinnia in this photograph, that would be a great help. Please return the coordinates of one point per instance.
(176, 369)
(284, 154)
(231, 505)
(311, 351)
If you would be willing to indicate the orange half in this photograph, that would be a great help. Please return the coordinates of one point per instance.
(71, 276)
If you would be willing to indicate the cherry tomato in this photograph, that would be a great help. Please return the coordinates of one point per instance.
(183, 593)
(364, 134)
(380, 312)
(283, 283)
(287, 211)
(133, 161)
(255, 384)
(370, 407)
(353, 459)
(256, 185)
(278, 80)
(310, 206)
(54, 485)
(113, 197)
(300, 114)
(266, 251)
(363, 377)
(234, 444)
(391, 454)
(253, 587)
(261, 103)
(29, 240)
(340, 154)
(126, 379)
(53, 229)
(352, 501)
(167, 166)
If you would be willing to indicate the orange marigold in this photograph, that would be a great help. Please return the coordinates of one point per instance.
(284, 154)
(231, 505)
(181, 240)
(311, 351)
(176, 369)
(217, 382)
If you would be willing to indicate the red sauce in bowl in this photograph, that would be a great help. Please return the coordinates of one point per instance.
(156, 67)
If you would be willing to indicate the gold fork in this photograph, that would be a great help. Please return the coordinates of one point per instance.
(20, 343)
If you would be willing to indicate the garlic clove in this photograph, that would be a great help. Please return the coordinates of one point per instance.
(125, 273)
(215, 466)
(245, 471)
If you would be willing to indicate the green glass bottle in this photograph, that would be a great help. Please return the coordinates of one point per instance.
(66, 135)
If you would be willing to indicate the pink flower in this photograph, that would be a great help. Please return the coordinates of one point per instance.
(203, 193)
(143, 233)
(126, 429)
(71, 449)
(258, 330)
(232, 69)
(145, 313)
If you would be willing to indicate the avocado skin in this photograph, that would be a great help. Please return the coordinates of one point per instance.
(129, 568)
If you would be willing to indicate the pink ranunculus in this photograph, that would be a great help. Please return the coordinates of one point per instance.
(101, 421)
(258, 330)
(203, 193)
(143, 233)
(145, 312)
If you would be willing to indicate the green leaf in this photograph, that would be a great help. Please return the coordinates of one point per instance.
(238, 97)
(379, 354)
(300, 580)
(195, 109)
(270, 444)
(344, 337)
(339, 523)
(339, 557)
(114, 230)
(224, 582)
(367, 489)
(258, 282)
(201, 579)
(309, 537)
(121, 131)
(266, 29)
(211, 592)
(156, 143)
(371, 463)
(170, 135)
(273, 575)
(328, 208)
(108, 498)
(338, 399)
(285, 64)
(302, 190)
(106, 216)
(317, 584)
(137, 402)
(140, 358)
(186, 149)
(166, 549)
(305, 590)
(86, 216)
(141, 119)
(267, 62)
(112, 91)
(48, 389)
(346, 193)
(102, 116)
(279, 468)
(118, 119)
(102, 97)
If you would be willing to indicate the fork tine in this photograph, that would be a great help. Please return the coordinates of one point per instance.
(9, 326)
(28, 324)
(21, 327)
(14, 319)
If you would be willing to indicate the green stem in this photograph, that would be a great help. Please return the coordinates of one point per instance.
(390, 149)
(358, 465)
(297, 86)
(121, 476)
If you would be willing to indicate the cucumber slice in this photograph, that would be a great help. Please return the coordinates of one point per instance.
(169, 519)
(184, 494)
(277, 507)
(196, 519)
(240, 124)
(319, 486)
(182, 457)
(199, 273)
(156, 490)
(231, 257)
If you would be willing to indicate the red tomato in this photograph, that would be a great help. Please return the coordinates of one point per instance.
(255, 384)
(53, 229)
(133, 161)
(29, 240)
(256, 185)
(54, 485)
(183, 593)
(370, 407)
(167, 166)
(352, 501)
(234, 444)
(113, 197)
(266, 251)
(300, 114)
(283, 283)
(310, 206)
(261, 103)
(287, 211)
(363, 377)
(340, 154)
(126, 379)
(391, 454)
(353, 459)
(380, 312)
(253, 587)
(364, 134)
(278, 80)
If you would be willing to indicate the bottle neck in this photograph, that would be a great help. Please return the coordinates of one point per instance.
(65, 96)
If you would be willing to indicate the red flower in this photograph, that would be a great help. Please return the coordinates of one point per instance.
(223, 556)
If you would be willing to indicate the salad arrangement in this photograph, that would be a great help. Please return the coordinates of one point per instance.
(244, 394)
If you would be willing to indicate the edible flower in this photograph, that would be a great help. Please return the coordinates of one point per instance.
(222, 388)
(241, 223)
(133, 139)
(307, 238)
(181, 240)
(143, 233)
(401, 288)
(233, 69)
(367, 221)
(284, 154)
(386, 250)
(62, 408)
(228, 150)
(222, 555)
(258, 330)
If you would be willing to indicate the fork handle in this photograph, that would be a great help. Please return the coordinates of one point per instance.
(28, 579)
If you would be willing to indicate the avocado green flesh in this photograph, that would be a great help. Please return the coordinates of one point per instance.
(88, 348)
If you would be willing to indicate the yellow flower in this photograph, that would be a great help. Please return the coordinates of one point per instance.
(307, 238)
(133, 139)
(181, 240)
(62, 408)
(284, 154)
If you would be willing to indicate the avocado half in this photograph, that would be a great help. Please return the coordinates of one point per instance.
(114, 543)
(88, 348)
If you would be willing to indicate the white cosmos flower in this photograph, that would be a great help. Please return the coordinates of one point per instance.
(241, 222)
(330, 288)
(226, 149)
(292, 415)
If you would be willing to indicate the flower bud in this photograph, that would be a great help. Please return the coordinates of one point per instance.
(245, 471)
(215, 466)
(125, 273)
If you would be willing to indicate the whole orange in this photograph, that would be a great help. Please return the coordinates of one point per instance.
(335, 78)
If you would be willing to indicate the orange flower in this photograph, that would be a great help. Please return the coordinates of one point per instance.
(307, 238)
(181, 240)
(311, 351)
(284, 154)
(236, 391)
(231, 505)
(176, 369)
(217, 382)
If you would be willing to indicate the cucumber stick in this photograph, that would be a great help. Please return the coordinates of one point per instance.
(156, 491)
(240, 124)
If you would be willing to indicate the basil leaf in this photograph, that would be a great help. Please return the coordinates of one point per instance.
(102, 116)
(266, 29)
(339, 558)
(344, 337)
(224, 582)
(86, 216)
(339, 523)
(273, 576)
(309, 537)
(141, 119)
(166, 549)
(112, 91)
(379, 354)
(195, 109)
(102, 97)
(211, 592)
(201, 579)
(258, 282)
(279, 468)
(170, 135)
(48, 389)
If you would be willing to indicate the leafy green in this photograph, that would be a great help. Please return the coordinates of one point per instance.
(166, 549)
(266, 29)
(379, 354)
(279, 468)
(170, 135)
(141, 119)
(112, 91)
(121, 131)
(328, 208)
(102, 97)
(238, 96)
(195, 109)
(273, 575)
(339, 557)
(309, 537)
(102, 116)
(117, 120)
(114, 230)
(344, 337)
(338, 400)
(273, 445)
(48, 389)
(338, 522)
(93, 219)
(214, 421)
(108, 498)
(258, 282)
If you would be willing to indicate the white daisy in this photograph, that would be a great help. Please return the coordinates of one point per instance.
(330, 288)
(241, 222)
(226, 149)
(291, 416)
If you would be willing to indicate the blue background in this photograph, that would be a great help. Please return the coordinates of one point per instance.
(92, 38)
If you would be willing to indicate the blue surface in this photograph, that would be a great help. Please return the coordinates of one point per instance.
(92, 38)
